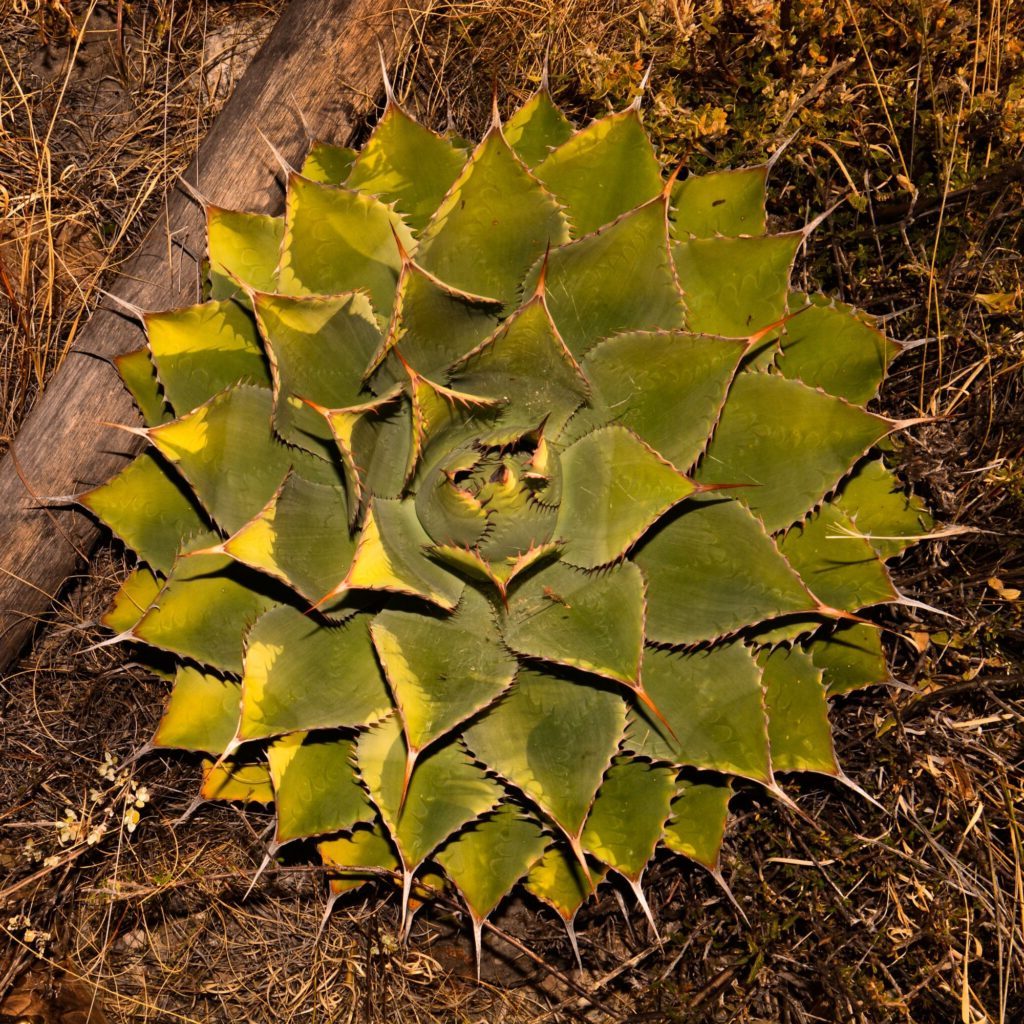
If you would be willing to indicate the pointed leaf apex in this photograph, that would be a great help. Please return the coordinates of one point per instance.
(233, 744)
(119, 638)
(542, 277)
(495, 112)
(389, 92)
(477, 928)
(411, 754)
(763, 332)
(842, 777)
(335, 592)
(809, 227)
(716, 874)
(315, 406)
(914, 421)
(414, 377)
(577, 848)
(702, 488)
(839, 613)
(783, 146)
(666, 192)
(137, 431)
(406, 893)
(282, 161)
(193, 192)
(213, 549)
(645, 698)
(638, 892)
(544, 68)
(126, 307)
(402, 251)
(637, 102)
(570, 930)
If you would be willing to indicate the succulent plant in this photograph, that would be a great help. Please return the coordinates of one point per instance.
(502, 508)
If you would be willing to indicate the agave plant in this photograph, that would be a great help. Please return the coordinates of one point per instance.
(502, 508)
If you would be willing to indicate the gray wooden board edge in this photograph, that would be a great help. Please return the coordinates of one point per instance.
(316, 72)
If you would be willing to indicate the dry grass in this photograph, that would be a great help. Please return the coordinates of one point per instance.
(100, 106)
(912, 115)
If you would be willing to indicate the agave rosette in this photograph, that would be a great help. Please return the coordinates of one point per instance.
(501, 508)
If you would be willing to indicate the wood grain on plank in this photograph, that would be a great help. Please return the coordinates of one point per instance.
(317, 72)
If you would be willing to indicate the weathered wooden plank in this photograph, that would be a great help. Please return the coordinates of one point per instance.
(320, 65)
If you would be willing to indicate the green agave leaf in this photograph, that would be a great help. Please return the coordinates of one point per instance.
(451, 514)
(726, 203)
(645, 379)
(302, 674)
(560, 881)
(525, 364)
(536, 128)
(299, 537)
(798, 728)
(735, 287)
(375, 441)
(446, 790)
(200, 350)
(432, 325)
(618, 279)
(382, 444)
(358, 858)
(700, 811)
(712, 570)
(133, 599)
(830, 346)
(603, 171)
(237, 782)
(392, 556)
(586, 621)
(629, 815)
(337, 240)
(712, 701)
(203, 611)
(490, 857)
(791, 443)
(202, 713)
(227, 452)
(150, 510)
(442, 670)
(244, 250)
(840, 567)
(500, 573)
(328, 164)
(318, 348)
(316, 790)
(406, 164)
(495, 222)
(552, 739)
(440, 413)
(139, 376)
(881, 510)
(850, 656)
(614, 489)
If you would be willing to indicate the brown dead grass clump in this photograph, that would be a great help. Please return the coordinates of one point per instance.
(910, 116)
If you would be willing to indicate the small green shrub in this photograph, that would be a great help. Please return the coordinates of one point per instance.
(500, 509)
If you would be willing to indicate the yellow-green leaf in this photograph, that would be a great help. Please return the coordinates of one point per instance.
(316, 790)
(711, 700)
(302, 673)
(202, 713)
